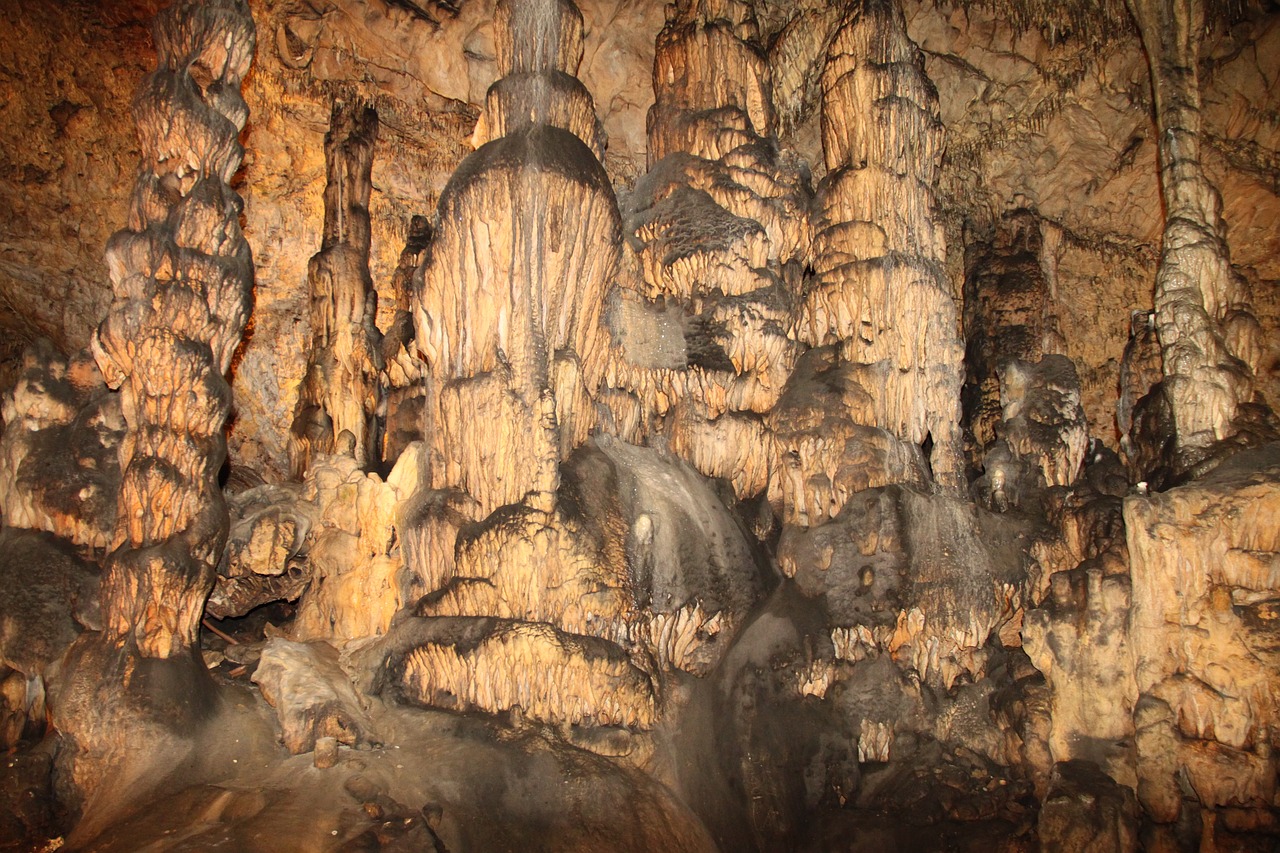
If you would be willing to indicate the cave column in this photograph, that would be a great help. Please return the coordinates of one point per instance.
(182, 274)
(881, 292)
(1207, 335)
(340, 391)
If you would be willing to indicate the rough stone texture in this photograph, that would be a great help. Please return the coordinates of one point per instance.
(1059, 124)
(59, 456)
(311, 695)
(926, 580)
(1209, 338)
(879, 248)
(1086, 810)
(929, 673)
(183, 276)
(514, 284)
(68, 74)
(1079, 639)
(719, 224)
(354, 554)
(340, 392)
(1203, 635)
(264, 559)
(49, 596)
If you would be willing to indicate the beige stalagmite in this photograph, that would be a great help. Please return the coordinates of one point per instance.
(182, 275)
(720, 226)
(878, 246)
(526, 247)
(1079, 639)
(1209, 339)
(508, 321)
(340, 391)
(404, 375)
(359, 581)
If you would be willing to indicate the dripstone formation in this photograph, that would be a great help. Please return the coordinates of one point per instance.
(746, 476)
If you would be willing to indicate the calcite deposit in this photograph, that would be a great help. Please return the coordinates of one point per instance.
(639, 425)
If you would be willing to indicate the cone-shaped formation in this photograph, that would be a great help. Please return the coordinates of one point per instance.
(340, 392)
(508, 320)
(403, 375)
(183, 276)
(878, 244)
(1209, 339)
(527, 245)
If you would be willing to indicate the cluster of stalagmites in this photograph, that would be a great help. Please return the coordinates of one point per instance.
(508, 502)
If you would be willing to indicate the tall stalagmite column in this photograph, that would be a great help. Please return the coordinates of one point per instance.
(1208, 337)
(340, 391)
(512, 289)
(881, 292)
(183, 276)
(718, 221)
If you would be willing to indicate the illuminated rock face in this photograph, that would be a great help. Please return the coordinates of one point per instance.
(719, 225)
(340, 392)
(1208, 336)
(508, 322)
(59, 457)
(515, 279)
(1203, 559)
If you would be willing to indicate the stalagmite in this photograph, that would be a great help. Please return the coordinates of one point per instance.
(340, 392)
(658, 507)
(517, 272)
(1206, 573)
(719, 223)
(355, 553)
(1209, 339)
(878, 244)
(508, 321)
(404, 374)
(182, 275)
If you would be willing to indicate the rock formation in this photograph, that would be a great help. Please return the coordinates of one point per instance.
(1209, 338)
(880, 291)
(515, 279)
(666, 484)
(59, 462)
(1203, 564)
(719, 224)
(508, 323)
(340, 391)
(183, 276)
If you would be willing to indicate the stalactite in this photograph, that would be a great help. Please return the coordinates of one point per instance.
(1209, 339)
(182, 275)
(340, 392)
